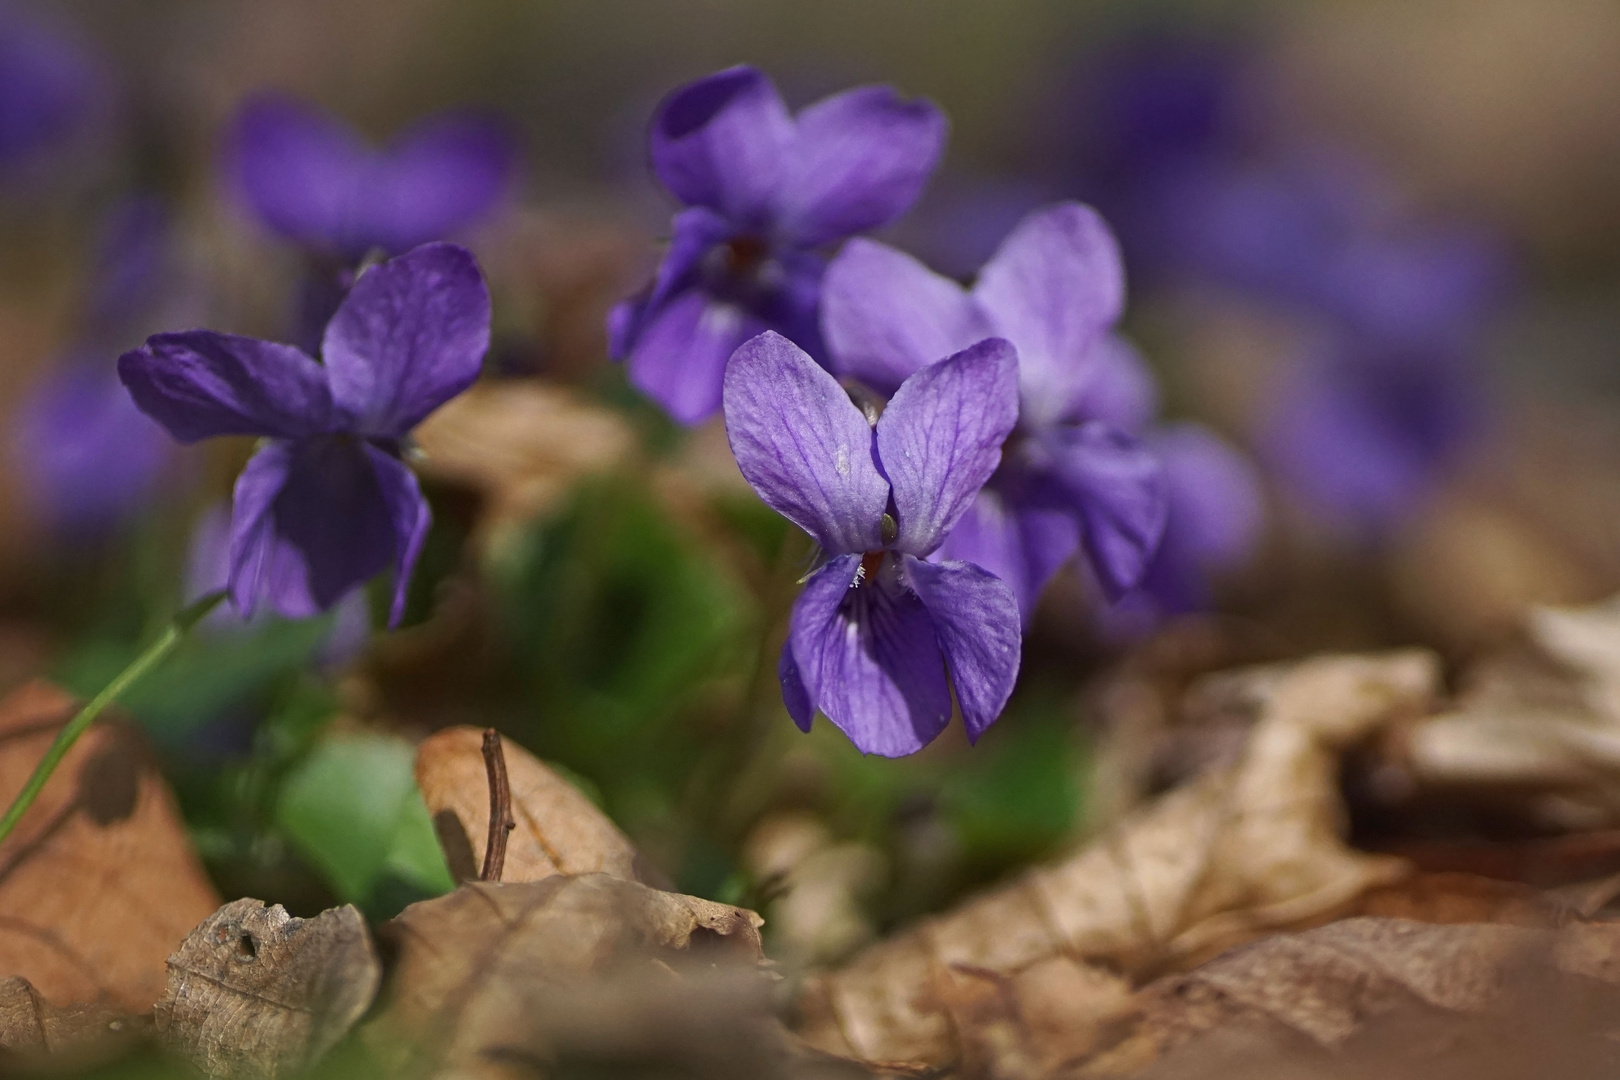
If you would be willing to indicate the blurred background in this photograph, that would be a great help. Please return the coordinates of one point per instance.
(1374, 246)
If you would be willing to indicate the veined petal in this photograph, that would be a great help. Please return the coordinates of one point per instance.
(722, 142)
(868, 658)
(1020, 544)
(309, 522)
(410, 335)
(940, 438)
(411, 518)
(199, 384)
(679, 358)
(803, 445)
(1053, 287)
(1117, 488)
(299, 170)
(860, 160)
(439, 176)
(976, 623)
(885, 315)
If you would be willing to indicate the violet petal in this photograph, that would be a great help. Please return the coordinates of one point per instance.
(885, 315)
(411, 519)
(868, 658)
(940, 438)
(860, 161)
(679, 359)
(199, 384)
(977, 626)
(411, 335)
(1022, 545)
(1118, 490)
(722, 142)
(299, 171)
(309, 522)
(1053, 287)
(803, 445)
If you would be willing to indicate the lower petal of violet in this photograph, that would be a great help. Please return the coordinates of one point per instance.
(868, 659)
(679, 358)
(1022, 545)
(976, 624)
(1117, 490)
(411, 518)
(799, 705)
(309, 522)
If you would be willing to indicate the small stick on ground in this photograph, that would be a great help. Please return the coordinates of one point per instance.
(501, 822)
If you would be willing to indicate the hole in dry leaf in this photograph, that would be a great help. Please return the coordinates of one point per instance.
(247, 950)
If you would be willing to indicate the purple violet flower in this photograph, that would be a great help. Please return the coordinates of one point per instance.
(878, 626)
(763, 190)
(50, 90)
(312, 180)
(87, 455)
(1072, 475)
(326, 502)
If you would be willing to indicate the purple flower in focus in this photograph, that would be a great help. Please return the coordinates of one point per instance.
(312, 180)
(49, 91)
(763, 190)
(1072, 475)
(1216, 513)
(878, 626)
(326, 502)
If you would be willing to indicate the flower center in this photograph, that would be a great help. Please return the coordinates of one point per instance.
(745, 253)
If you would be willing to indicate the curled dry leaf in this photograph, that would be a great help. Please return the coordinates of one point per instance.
(559, 830)
(497, 972)
(99, 881)
(1536, 725)
(1295, 996)
(35, 1033)
(254, 992)
(521, 444)
(1232, 855)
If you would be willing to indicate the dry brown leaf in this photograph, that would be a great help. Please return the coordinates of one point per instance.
(1312, 991)
(254, 992)
(99, 881)
(33, 1032)
(1537, 726)
(1236, 853)
(559, 830)
(521, 444)
(498, 972)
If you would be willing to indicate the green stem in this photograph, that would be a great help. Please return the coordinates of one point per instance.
(151, 658)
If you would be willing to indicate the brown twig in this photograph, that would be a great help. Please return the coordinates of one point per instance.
(501, 821)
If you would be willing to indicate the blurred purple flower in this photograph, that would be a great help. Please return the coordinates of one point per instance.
(312, 180)
(326, 502)
(1185, 159)
(1073, 474)
(84, 451)
(877, 627)
(1215, 517)
(763, 190)
(86, 454)
(50, 90)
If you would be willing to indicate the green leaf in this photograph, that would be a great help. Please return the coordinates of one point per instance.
(352, 809)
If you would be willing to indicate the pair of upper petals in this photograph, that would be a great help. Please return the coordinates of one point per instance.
(410, 335)
(847, 163)
(311, 179)
(813, 456)
(1054, 288)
